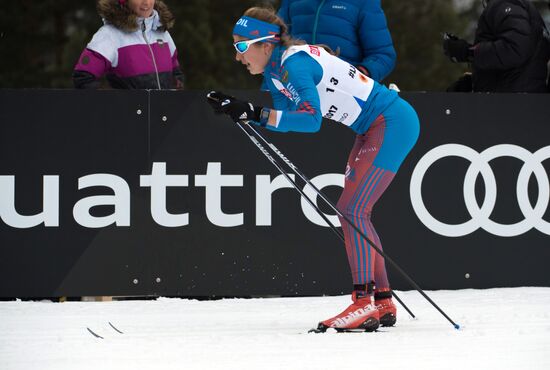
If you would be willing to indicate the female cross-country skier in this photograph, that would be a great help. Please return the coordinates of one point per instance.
(308, 83)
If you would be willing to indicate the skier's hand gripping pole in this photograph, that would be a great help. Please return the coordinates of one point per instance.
(235, 108)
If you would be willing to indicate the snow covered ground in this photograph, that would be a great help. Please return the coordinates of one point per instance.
(505, 328)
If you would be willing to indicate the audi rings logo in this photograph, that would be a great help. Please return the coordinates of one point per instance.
(480, 165)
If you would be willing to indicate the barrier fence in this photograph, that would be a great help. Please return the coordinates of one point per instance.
(148, 193)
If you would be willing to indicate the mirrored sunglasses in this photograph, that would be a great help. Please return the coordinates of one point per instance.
(242, 46)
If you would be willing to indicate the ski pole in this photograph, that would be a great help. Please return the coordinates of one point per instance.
(375, 247)
(287, 176)
(297, 171)
(306, 180)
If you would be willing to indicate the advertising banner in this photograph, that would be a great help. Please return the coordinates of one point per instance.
(131, 193)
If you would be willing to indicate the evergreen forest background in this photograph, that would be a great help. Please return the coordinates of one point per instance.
(41, 40)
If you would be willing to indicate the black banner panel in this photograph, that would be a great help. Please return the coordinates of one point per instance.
(130, 193)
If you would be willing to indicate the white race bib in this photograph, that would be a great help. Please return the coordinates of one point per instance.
(343, 89)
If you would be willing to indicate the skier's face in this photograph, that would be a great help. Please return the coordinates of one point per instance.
(256, 57)
(143, 8)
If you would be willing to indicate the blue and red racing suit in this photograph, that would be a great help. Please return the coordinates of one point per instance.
(307, 83)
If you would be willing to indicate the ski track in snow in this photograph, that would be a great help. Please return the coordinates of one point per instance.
(504, 328)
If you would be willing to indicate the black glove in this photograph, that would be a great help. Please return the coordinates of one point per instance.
(233, 107)
(458, 50)
(216, 98)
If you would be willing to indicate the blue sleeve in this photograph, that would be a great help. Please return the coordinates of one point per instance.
(280, 102)
(264, 86)
(376, 41)
(303, 112)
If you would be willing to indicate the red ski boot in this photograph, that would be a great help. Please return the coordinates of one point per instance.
(386, 308)
(361, 315)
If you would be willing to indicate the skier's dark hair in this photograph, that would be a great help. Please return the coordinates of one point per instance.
(269, 15)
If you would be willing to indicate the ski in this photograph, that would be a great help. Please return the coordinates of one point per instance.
(99, 336)
(112, 326)
(94, 334)
(370, 325)
(338, 330)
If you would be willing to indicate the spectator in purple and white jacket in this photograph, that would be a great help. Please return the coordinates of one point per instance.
(133, 48)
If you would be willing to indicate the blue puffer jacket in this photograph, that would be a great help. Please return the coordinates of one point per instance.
(357, 27)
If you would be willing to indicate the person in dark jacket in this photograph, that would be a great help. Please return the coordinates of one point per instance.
(510, 51)
(133, 48)
(355, 28)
